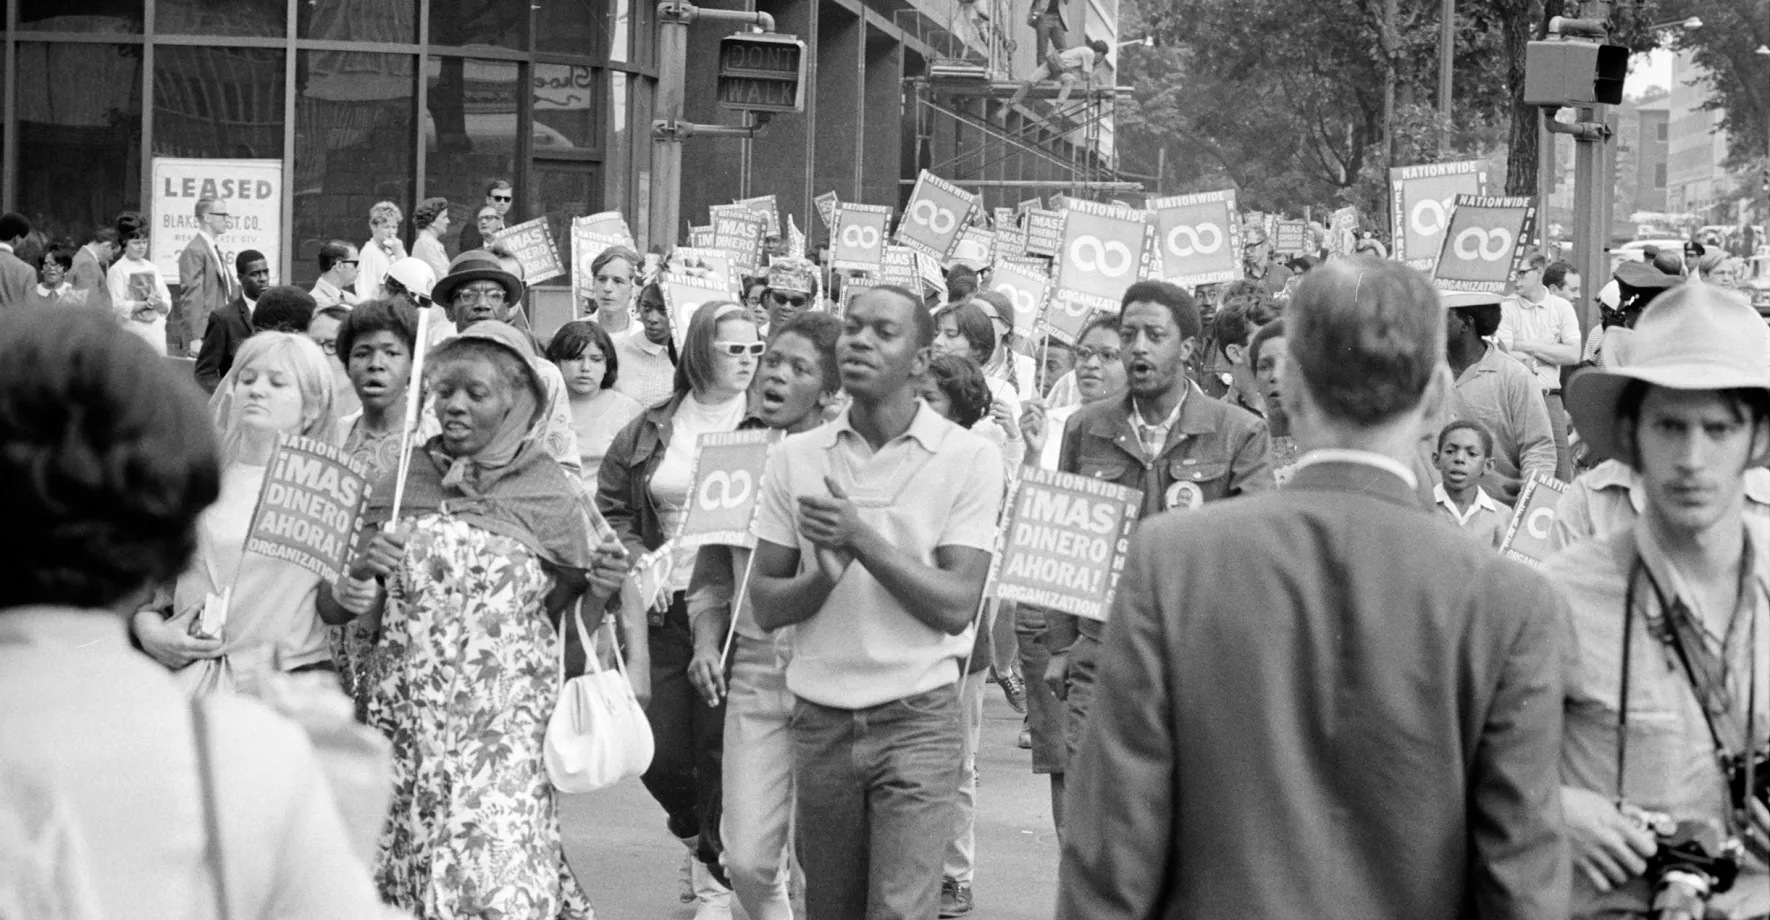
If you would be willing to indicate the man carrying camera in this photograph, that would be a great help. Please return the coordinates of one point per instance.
(1668, 652)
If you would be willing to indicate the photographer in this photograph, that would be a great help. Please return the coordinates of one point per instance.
(1668, 665)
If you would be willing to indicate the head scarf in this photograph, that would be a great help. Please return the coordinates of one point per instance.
(512, 487)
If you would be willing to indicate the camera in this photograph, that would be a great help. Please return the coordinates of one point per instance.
(1693, 862)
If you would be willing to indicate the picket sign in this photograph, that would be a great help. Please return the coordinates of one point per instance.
(309, 507)
(1063, 541)
(764, 206)
(1099, 254)
(936, 213)
(1027, 290)
(1198, 237)
(1421, 198)
(531, 242)
(857, 243)
(1484, 243)
(684, 294)
(726, 478)
(1529, 536)
(826, 209)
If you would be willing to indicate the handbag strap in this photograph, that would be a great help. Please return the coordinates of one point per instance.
(211, 810)
(585, 638)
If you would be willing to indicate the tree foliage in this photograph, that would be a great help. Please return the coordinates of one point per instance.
(1738, 79)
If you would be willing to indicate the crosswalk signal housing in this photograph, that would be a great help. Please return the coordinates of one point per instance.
(1574, 73)
(762, 72)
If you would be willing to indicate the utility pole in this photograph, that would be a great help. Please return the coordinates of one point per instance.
(1447, 45)
(1591, 166)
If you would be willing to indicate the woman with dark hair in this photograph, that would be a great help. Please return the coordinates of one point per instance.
(643, 493)
(955, 390)
(587, 359)
(430, 220)
(488, 555)
(1007, 365)
(53, 288)
(965, 330)
(280, 386)
(797, 383)
(755, 288)
(648, 354)
(110, 457)
(612, 275)
(139, 295)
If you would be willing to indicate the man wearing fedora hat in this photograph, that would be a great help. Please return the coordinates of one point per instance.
(479, 289)
(1668, 620)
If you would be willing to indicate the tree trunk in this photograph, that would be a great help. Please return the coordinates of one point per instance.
(1521, 146)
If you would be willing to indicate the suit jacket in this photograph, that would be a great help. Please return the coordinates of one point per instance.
(1320, 703)
(228, 327)
(17, 279)
(204, 287)
(88, 274)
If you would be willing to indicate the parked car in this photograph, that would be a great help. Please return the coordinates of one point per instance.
(1756, 283)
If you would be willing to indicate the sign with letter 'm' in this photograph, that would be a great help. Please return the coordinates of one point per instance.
(1484, 243)
(251, 191)
(858, 238)
(1064, 541)
(532, 243)
(1198, 237)
(1102, 247)
(313, 496)
(727, 480)
(1421, 198)
(1528, 537)
(937, 213)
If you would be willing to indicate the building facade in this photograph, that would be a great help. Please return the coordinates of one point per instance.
(1696, 183)
(361, 101)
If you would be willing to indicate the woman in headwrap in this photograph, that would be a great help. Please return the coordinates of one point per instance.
(490, 550)
(261, 611)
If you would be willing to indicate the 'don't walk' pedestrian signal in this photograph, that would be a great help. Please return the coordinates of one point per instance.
(762, 72)
(1574, 73)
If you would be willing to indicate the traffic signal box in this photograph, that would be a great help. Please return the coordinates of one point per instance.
(1574, 73)
(762, 72)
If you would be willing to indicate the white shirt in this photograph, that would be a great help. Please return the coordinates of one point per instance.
(1549, 322)
(646, 374)
(1482, 502)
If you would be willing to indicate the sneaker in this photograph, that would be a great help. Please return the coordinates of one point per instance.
(1014, 688)
(1025, 739)
(955, 898)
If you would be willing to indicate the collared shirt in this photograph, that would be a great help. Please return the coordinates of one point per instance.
(1550, 321)
(326, 294)
(1485, 520)
(1153, 436)
(646, 375)
(1366, 457)
(1670, 764)
(1609, 497)
(934, 485)
(1499, 393)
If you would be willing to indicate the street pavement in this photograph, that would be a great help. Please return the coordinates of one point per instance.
(616, 841)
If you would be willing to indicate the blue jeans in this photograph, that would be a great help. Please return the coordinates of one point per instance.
(875, 793)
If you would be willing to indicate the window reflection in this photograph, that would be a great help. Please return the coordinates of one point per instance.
(560, 192)
(573, 26)
(116, 17)
(259, 18)
(79, 135)
(565, 106)
(469, 132)
(618, 161)
(503, 23)
(218, 102)
(389, 21)
(354, 114)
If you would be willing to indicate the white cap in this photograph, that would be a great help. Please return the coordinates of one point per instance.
(414, 274)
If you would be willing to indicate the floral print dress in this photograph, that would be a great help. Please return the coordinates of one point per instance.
(469, 683)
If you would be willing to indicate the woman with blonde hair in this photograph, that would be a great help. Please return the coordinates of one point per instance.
(232, 610)
(380, 252)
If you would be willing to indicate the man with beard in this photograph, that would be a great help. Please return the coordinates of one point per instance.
(1165, 438)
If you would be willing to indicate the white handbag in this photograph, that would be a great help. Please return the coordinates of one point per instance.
(597, 735)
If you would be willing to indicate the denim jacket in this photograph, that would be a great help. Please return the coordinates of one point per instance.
(1215, 450)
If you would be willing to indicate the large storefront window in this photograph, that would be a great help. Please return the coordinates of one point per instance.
(501, 23)
(250, 18)
(469, 132)
(565, 107)
(574, 27)
(386, 21)
(560, 192)
(218, 102)
(108, 17)
(354, 143)
(79, 135)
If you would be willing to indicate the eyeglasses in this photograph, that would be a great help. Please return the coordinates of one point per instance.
(329, 346)
(350, 261)
(493, 296)
(502, 197)
(782, 300)
(734, 349)
(1106, 355)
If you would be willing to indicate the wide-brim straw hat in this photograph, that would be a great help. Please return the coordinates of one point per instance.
(475, 265)
(1697, 337)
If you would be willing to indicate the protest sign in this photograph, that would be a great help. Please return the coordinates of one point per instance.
(1003, 218)
(1484, 243)
(1420, 201)
(1029, 205)
(1044, 232)
(1199, 237)
(1345, 218)
(1291, 236)
(936, 212)
(531, 242)
(611, 224)
(826, 209)
(251, 191)
(701, 237)
(684, 294)
(764, 207)
(1529, 536)
(313, 496)
(898, 267)
(710, 265)
(592, 235)
(1026, 289)
(1010, 243)
(726, 484)
(1101, 247)
(1064, 541)
(980, 236)
(858, 240)
(741, 235)
(1064, 316)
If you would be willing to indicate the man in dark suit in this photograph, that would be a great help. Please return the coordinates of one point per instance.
(1322, 702)
(232, 324)
(17, 278)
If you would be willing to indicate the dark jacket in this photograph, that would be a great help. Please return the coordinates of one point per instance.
(1321, 704)
(17, 279)
(1218, 450)
(228, 328)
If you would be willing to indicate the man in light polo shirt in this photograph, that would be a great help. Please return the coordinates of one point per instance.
(874, 540)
